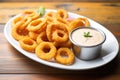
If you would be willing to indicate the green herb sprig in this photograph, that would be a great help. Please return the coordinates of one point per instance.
(41, 10)
(87, 34)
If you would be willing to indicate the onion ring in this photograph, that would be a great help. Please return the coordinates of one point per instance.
(21, 21)
(61, 20)
(33, 35)
(75, 23)
(28, 44)
(42, 37)
(62, 13)
(36, 25)
(45, 50)
(55, 26)
(30, 13)
(66, 44)
(18, 34)
(85, 21)
(64, 56)
(49, 19)
(51, 14)
(59, 36)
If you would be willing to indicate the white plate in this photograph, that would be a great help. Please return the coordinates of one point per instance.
(109, 50)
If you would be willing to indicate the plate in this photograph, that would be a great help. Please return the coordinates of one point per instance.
(109, 50)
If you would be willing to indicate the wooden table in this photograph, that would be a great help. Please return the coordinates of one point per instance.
(14, 65)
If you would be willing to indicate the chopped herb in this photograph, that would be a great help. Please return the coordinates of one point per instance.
(41, 11)
(87, 34)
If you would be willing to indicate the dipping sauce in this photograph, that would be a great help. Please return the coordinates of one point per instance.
(87, 42)
(87, 37)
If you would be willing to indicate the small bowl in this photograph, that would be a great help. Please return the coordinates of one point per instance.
(86, 52)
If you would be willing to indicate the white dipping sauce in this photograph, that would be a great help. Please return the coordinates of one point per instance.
(95, 37)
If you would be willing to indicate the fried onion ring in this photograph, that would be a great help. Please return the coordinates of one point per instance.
(33, 35)
(55, 26)
(64, 21)
(62, 13)
(21, 21)
(49, 20)
(76, 23)
(36, 25)
(64, 56)
(18, 34)
(59, 36)
(66, 44)
(42, 37)
(45, 50)
(51, 14)
(85, 21)
(28, 44)
(30, 13)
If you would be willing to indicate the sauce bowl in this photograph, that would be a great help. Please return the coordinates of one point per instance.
(84, 51)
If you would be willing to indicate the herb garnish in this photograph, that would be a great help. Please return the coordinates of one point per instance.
(87, 34)
(41, 10)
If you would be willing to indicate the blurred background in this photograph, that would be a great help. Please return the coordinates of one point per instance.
(59, 0)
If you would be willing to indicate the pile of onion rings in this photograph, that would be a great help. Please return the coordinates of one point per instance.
(47, 36)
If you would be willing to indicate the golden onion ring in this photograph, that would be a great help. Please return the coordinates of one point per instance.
(55, 26)
(59, 19)
(75, 23)
(28, 44)
(85, 21)
(33, 35)
(62, 13)
(42, 37)
(66, 44)
(46, 51)
(60, 36)
(36, 25)
(18, 34)
(21, 21)
(32, 14)
(51, 15)
(64, 56)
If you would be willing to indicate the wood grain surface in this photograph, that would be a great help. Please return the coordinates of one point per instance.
(59, 0)
(14, 65)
